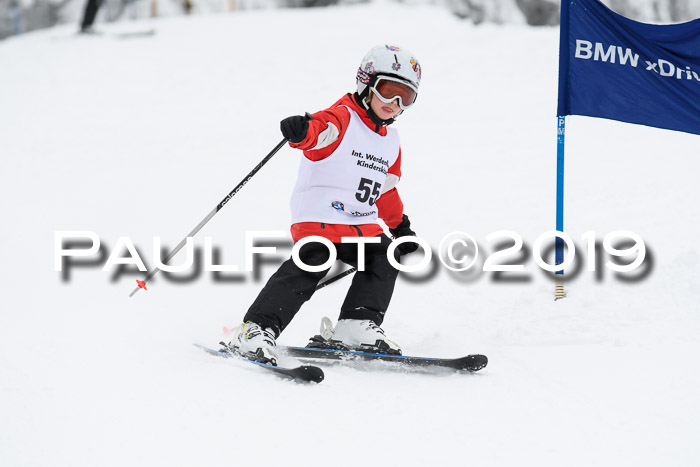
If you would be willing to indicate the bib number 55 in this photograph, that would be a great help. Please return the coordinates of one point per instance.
(368, 191)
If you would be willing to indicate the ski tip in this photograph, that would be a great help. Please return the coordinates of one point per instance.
(312, 374)
(142, 284)
(476, 362)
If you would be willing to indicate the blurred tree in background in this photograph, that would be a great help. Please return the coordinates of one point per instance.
(546, 12)
(540, 12)
(26, 15)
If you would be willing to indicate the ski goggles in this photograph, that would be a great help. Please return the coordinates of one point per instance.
(388, 88)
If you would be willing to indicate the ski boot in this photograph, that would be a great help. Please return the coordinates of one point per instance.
(361, 335)
(254, 343)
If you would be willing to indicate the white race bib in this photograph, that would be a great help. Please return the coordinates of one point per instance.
(344, 187)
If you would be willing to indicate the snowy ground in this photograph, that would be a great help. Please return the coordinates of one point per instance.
(142, 137)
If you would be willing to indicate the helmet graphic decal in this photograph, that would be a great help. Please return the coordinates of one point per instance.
(416, 66)
(396, 66)
(363, 76)
(393, 48)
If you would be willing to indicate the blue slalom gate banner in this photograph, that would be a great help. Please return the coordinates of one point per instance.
(616, 68)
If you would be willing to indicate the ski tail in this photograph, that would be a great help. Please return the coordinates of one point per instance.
(303, 373)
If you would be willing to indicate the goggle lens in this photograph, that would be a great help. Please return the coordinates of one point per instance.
(388, 90)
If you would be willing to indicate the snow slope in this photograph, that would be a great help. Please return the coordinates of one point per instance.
(143, 137)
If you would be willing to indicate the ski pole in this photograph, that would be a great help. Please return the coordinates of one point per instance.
(222, 203)
(335, 278)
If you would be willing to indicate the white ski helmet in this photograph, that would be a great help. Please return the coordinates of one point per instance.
(387, 60)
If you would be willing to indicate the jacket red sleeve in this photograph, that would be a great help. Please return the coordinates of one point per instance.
(389, 204)
(326, 131)
(328, 127)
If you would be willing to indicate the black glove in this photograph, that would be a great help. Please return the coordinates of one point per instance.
(403, 230)
(295, 128)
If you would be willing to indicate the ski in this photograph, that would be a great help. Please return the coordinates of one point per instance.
(469, 363)
(133, 34)
(123, 34)
(303, 373)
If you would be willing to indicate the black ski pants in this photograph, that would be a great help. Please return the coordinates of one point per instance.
(290, 287)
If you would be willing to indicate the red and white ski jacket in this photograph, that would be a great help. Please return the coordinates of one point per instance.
(325, 135)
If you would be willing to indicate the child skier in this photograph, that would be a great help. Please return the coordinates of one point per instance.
(346, 181)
